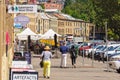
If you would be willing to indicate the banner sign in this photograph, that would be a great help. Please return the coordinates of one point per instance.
(22, 8)
(21, 19)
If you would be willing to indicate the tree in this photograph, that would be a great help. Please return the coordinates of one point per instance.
(109, 11)
(82, 9)
(97, 12)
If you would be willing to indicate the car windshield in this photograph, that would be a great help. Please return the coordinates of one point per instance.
(99, 47)
(111, 48)
(102, 49)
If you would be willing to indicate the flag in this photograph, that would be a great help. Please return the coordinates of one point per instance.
(7, 38)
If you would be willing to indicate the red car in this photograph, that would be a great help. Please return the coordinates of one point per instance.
(83, 48)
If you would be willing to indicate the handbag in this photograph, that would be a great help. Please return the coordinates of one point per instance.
(41, 63)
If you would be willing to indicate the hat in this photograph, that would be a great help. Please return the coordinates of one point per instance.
(47, 47)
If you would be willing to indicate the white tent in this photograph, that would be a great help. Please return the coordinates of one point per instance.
(49, 34)
(39, 35)
(24, 35)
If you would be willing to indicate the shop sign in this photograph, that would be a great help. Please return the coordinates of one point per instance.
(22, 8)
(21, 19)
(24, 75)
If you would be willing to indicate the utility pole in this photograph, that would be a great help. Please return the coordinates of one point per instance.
(93, 46)
(106, 44)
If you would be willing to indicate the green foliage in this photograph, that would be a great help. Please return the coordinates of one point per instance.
(109, 11)
(81, 9)
(98, 12)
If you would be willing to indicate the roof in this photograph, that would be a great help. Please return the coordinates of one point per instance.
(51, 16)
(43, 16)
(59, 16)
(68, 16)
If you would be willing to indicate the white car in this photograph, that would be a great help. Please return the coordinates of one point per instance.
(113, 49)
(114, 63)
(88, 51)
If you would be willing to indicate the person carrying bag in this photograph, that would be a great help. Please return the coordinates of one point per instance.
(73, 56)
(46, 62)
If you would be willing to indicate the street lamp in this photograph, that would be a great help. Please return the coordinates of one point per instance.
(83, 42)
(106, 35)
(93, 46)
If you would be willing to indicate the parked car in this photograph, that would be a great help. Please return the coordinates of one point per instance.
(89, 51)
(111, 55)
(113, 49)
(114, 63)
(99, 53)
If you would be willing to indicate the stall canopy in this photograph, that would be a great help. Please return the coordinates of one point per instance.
(49, 34)
(24, 34)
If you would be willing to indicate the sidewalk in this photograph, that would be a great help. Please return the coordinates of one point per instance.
(86, 72)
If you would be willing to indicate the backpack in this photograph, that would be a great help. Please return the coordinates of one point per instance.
(73, 53)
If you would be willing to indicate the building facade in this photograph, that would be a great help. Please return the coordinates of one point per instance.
(53, 23)
(32, 23)
(42, 23)
(6, 39)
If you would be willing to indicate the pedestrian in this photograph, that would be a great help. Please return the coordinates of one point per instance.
(42, 46)
(63, 50)
(46, 55)
(37, 48)
(73, 56)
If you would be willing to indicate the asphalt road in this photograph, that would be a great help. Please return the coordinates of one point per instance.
(99, 70)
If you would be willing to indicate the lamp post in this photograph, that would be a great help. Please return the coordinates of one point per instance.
(106, 35)
(83, 46)
(83, 42)
(93, 46)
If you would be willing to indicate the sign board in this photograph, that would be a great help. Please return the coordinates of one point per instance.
(22, 8)
(20, 64)
(21, 19)
(18, 25)
(23, 75)
(78, 39)
(27, 57)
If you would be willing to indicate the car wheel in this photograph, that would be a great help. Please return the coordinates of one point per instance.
(118, 70)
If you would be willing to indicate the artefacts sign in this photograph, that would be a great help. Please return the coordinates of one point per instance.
(21, 19)
(22, 8)
(24, 75)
